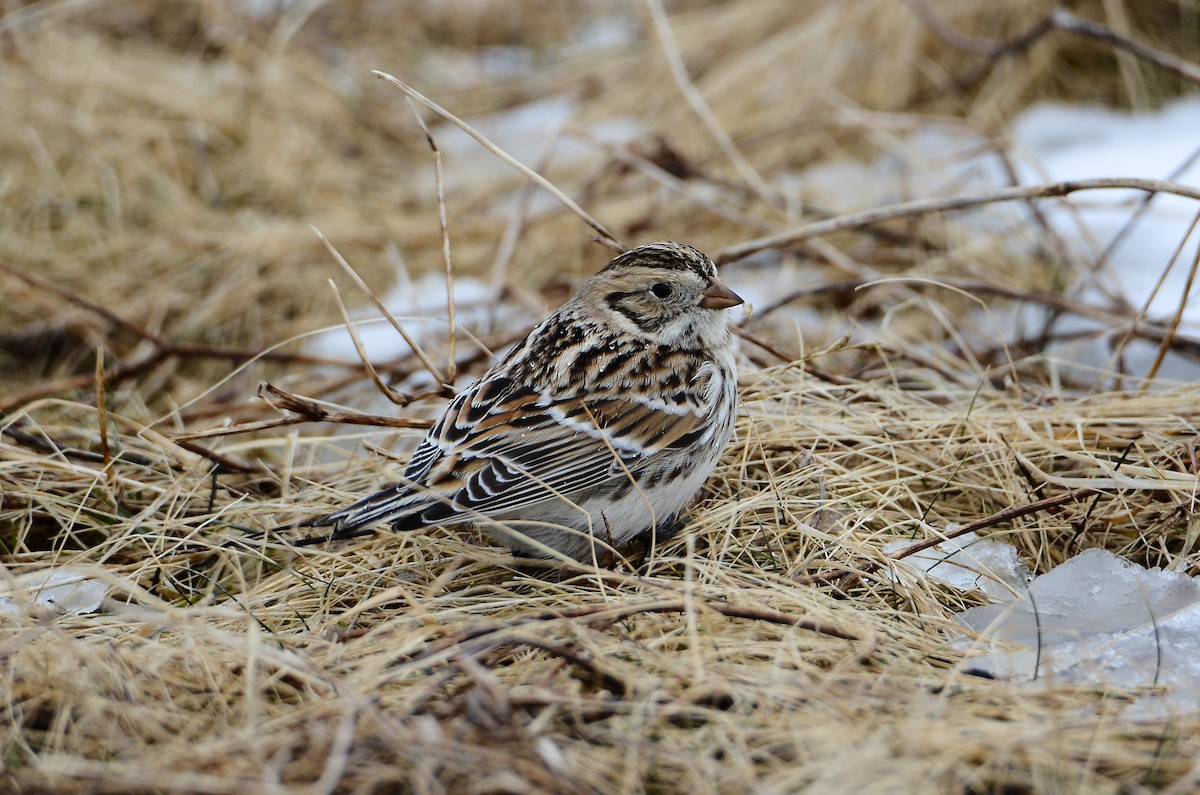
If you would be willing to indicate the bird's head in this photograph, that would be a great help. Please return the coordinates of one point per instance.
(668, 293)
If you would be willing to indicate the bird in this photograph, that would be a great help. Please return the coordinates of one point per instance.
(599, 427)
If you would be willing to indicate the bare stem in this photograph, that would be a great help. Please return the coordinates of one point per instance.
(926, 206)
(606, 237)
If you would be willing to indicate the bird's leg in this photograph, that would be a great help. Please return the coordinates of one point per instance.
(663, 531)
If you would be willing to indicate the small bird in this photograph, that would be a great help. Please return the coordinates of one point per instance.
(602, 424)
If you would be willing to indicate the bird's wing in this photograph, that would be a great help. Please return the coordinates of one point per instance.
(500, 448)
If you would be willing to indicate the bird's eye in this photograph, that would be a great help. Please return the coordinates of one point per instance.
(661, 290)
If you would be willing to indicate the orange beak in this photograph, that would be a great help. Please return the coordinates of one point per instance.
(718, 296)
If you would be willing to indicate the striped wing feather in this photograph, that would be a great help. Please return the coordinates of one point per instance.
(499, 449)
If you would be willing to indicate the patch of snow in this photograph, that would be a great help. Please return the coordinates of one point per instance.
(51, 592)
(1053, 142)
(1098, 618)
(603, 33)
(420, 307)
(967, 563)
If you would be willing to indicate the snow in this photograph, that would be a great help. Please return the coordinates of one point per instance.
(1048, 142)
(1096, 619)
(420, 307)
(967, 563)
(1056, 142)
(51, 592)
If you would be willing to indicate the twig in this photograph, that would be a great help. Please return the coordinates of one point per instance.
(1181, 307)
(701, 108)
(314, 411)
(924, 206)
(606, 237)
(116, 374)
(306, 410)
(444, 224)
(224, 462)
(766, 345)
(1064, 20)
(163, 349)
(125, 370)
(399, 398)
(85, 303)
(1006, 515)
(1058, 19)
(425, 360)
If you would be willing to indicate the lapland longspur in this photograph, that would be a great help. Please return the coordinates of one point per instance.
(601, 425)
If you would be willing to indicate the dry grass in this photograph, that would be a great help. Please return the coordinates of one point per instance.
(160, 180)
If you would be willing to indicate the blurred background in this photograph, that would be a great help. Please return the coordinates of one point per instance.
(164, 162)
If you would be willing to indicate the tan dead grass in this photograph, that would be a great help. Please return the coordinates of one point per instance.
(165, 167)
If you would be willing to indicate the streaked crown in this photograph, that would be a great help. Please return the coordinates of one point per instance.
(667, 255)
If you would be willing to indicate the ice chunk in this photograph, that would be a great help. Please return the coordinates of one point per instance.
(967, 563)
(1098, 618)
(53, 591)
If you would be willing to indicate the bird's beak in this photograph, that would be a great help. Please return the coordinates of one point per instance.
(718, 296)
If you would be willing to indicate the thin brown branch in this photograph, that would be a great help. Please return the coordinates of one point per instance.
(304, 410)
(1064, 20)
(608, 614)
(1058, 19)
(606, 237)
(768, 346)
(224, 462)
(926, 206)
(847, 578)
(39, 283)
(444, 225)
(314, 411)
(116, 374)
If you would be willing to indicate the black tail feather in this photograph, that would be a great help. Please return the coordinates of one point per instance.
(361, 519)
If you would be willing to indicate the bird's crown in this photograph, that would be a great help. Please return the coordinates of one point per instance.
(667, 255)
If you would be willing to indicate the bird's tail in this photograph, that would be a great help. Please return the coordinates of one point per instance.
(396, 505)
